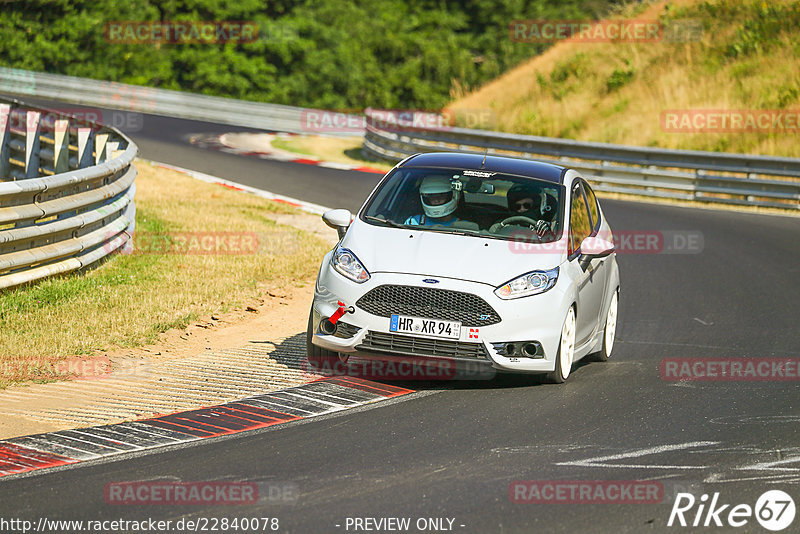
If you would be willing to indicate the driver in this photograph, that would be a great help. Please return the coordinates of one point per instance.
(529, 202)
(439, 201)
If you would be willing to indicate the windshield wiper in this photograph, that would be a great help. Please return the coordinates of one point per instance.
(454, 231)
(385, 221)
(442, 230)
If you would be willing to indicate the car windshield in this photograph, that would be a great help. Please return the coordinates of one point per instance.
(463, 201)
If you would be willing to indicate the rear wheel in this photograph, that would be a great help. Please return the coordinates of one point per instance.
(566, 350)
(320, 359)
(610, 330)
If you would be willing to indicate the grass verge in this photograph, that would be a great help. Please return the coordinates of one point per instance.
(742, 56)
(128, 300)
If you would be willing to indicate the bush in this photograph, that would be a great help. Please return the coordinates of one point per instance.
(321, 53)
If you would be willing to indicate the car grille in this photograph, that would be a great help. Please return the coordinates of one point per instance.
(417, 346)
(345, 330)
(443, 304)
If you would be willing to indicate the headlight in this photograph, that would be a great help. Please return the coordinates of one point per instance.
(346, 263)
(528, 284)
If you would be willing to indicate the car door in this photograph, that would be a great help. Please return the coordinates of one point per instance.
(604, 265)
(591, 285)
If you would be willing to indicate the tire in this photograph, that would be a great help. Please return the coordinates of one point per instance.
(609, 330)
(319, 358)
(566, 350)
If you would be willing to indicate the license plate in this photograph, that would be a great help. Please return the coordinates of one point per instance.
(425, 327)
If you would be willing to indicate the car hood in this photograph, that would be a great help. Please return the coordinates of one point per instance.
(427, 253)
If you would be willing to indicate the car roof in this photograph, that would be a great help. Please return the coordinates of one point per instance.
(522, 167)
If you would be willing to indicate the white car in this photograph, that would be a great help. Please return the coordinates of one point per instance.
(461, 257)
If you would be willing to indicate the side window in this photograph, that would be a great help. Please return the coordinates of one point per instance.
(385, 200)
(397, 199)
(580, 225)
(593, 210)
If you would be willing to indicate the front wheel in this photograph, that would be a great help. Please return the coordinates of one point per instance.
(566, 350)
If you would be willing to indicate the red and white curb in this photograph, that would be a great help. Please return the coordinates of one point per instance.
(324, 396)
(208, 178)
(217, 142)
(51, 449)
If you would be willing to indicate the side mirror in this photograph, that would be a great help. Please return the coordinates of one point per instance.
(594, 247)
(339, 220)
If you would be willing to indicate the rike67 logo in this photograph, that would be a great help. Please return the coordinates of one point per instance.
(774, 510)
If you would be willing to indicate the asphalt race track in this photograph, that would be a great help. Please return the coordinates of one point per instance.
(453, 449)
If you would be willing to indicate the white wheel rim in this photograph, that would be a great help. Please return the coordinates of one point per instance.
(611, 324)
(567, 350)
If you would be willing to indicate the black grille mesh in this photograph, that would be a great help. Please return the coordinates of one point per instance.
(418, 346)
(345, 330)
(429, 303)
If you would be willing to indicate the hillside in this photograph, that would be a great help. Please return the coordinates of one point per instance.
(746, 61)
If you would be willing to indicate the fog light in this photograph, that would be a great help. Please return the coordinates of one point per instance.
(327, 327)
(530, 349)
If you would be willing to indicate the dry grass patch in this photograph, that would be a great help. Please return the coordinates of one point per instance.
(747, 58)
(130, 299)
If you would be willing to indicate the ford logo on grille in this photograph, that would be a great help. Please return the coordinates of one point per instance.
(430, 281)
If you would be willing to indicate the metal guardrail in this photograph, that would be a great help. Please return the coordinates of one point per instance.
(679, 174)
(66, 192)
(164, 102)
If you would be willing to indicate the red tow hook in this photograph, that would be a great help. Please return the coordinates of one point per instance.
(341, 311)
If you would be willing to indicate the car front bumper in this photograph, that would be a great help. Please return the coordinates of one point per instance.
(534, 318)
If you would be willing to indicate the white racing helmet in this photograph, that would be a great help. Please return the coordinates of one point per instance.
(438, 197)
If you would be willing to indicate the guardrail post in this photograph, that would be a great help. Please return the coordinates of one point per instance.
(101, 148)
(130, 214)
(61, 153)
(60, 146)
(5, 115)
(85, 147)
(32, 131)
(699, 174)
(111, 149)
(645, 177)
(751, 176)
